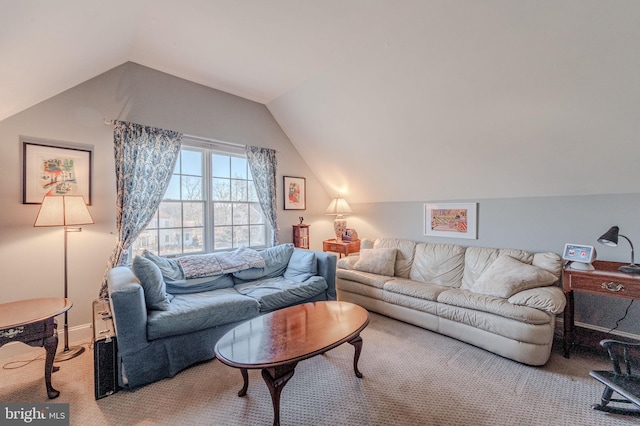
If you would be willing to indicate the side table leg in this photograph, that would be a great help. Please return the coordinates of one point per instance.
(50, 345)
(357, 344)
(567, 338)
(276, 378)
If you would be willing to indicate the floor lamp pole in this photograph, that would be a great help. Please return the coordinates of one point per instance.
(68, 353)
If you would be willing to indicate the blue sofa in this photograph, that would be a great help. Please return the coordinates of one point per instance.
(165, 324)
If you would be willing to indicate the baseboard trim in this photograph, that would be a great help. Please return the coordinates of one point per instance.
(79, 334)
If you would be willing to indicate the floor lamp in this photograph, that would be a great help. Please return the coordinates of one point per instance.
(65, 210)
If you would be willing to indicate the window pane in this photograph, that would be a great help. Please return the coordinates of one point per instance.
(193, 240)
(255, 214)
(251, 191)
(222, 236)
(240, 214)
(170, 215)
(221, 190)
(173, 190)
(193, 214)
(258, 235)
(240, 236)
(147, 240)
(238, 190)
(191, 162)
(176, 168)
(154, 222)
(222, 214)
(170, 241)
(220, 165)
(238, 168)
(191, 188)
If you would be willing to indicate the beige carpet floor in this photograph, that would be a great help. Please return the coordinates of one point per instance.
(411, 377)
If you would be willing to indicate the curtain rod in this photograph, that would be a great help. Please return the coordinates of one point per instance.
(197, 138)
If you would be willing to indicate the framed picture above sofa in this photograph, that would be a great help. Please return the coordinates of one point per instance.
(451, 220)
(295, 193)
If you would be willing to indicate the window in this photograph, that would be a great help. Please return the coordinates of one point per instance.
(210, 205)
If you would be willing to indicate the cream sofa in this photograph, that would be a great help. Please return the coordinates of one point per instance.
(501, 300)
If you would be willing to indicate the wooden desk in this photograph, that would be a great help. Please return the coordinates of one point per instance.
(341, 247)
(32, 322)
(605, 280)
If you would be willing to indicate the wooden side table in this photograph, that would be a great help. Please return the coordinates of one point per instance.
(341, 247)
(605, 280)
(32, 322)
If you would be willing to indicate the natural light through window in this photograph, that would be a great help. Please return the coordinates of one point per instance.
(210, 205)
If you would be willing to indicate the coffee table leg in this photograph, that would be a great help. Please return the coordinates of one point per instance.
(245, 377)
(357, 344)
(276, 378)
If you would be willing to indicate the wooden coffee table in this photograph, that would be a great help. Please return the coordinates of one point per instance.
(277, 341)
(32, 322)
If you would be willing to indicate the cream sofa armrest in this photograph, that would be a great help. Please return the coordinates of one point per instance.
(550, 299)
(347, 262)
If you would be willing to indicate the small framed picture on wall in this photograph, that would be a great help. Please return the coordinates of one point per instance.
(295, 193)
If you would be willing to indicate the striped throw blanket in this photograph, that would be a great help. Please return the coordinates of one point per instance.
(206, 265)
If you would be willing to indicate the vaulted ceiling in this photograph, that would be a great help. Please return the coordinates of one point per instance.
(386, 100)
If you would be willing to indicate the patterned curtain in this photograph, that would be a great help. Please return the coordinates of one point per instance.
(263, 164)
(145, 158)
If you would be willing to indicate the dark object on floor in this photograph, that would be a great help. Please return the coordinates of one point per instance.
(625, 381)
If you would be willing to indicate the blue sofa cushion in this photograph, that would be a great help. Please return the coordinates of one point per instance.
(302, 266)
(279, 292)
(276, 260)
(198, 311)
(176, 283)
(154, 288)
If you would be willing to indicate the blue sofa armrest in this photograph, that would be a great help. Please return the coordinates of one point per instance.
(129, 309)
(327, 268)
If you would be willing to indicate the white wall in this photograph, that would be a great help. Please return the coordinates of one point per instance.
(32, 258)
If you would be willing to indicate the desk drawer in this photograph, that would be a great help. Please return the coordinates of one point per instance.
(605, 285)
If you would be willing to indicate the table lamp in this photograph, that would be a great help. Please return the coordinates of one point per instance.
(610, 238)
(339, 207)
(64, 210)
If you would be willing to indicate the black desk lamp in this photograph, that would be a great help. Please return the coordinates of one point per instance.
(610, 238)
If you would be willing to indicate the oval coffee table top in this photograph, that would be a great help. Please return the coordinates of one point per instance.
(291, 334)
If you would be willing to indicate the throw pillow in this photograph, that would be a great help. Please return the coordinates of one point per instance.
(379, 261)
(154, 288)
(302, 266)
(507, 276)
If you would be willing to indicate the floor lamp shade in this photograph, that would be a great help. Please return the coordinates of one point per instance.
(339, 207)
(64, 210)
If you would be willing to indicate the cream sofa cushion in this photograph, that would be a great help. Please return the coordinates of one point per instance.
(507, 276)
(440, 264)
(404, 257)
(379, 261)
(476, 260)
(549, 298)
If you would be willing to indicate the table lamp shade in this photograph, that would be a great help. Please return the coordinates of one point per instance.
(63, 210)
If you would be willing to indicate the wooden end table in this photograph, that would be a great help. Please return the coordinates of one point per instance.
(341, 247)
(277, 341)
(32, 322)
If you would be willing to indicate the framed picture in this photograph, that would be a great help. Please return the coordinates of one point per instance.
(452, 220)
(55, 169)
(295, 193)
